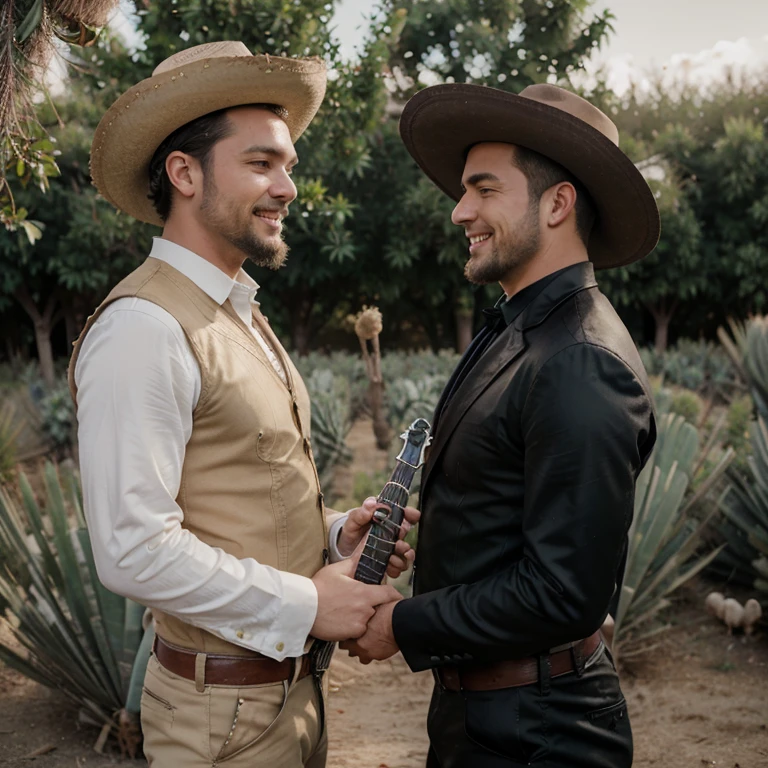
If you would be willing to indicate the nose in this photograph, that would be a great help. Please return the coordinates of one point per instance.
(464, 212)
(283, 188)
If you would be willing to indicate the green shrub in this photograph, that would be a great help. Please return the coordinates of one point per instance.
(688, 405)
(666, 535)
(57, 412)
(738, 419)
(10, 430)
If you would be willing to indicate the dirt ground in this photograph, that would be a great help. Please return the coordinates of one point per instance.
(700, 699)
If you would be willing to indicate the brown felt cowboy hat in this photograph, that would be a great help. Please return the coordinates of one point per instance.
(182, 88)
(439, 125)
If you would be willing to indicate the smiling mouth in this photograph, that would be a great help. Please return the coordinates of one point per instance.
(272, 218)
(477, 240)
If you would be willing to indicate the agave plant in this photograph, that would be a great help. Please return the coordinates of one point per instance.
(665, 537)
(330, 422)
(70, 632)
(745, 506)
(745, 502)
(409, 399)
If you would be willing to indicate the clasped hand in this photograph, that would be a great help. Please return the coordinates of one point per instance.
(360, 614)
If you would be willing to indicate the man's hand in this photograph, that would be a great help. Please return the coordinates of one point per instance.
(344, 605)
(357, 525)
(378, 642)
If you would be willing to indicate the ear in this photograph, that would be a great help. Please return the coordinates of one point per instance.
(184, 173)
(562, 199)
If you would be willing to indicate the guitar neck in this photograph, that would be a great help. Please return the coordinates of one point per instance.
(398, 488)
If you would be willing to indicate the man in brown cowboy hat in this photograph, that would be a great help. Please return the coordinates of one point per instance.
(200, 489)
(527, 494)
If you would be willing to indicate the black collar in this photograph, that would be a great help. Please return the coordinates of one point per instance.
(552, 289)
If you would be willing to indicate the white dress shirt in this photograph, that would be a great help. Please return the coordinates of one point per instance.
(138, 384)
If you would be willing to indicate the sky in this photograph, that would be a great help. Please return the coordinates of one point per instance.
(698, 37)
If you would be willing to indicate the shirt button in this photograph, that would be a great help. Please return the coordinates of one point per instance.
(240, 633)
(280, 646)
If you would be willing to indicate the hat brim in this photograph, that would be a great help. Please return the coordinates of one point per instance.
(441, 123)
(137, 123)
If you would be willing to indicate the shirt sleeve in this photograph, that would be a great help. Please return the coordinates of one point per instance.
(336, 522)
(585, 422)
(138, 383)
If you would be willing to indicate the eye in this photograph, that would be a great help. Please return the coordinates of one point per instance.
(483, 190)
(259, 163)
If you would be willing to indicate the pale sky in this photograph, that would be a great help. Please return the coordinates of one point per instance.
(709, 34)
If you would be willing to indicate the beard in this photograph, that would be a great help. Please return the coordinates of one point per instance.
(237, 228)
(518, 249)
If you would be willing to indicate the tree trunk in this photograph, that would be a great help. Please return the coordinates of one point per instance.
(43, 323)
(463, 329)
(661, 337)
(72, 323)
(45, 351)
(300, 322)
(381, 429)
(662, 315)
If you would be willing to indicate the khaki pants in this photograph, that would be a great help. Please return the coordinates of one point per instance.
(276, 725)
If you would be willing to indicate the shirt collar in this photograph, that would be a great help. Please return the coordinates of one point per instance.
(207, 277)
(512, 307)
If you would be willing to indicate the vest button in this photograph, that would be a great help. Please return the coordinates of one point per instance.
(280, 646)
(240, 633)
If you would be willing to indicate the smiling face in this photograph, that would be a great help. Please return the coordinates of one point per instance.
(498, 216)
(248, 187)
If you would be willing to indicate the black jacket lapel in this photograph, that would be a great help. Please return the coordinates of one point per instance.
(497, 357)
(509, 345)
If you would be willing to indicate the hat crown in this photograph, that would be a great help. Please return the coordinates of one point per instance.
(575, 106)
(223, 49)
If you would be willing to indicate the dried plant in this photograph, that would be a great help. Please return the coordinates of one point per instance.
(368, 325)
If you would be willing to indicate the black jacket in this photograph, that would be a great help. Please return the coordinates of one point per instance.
(528, 491)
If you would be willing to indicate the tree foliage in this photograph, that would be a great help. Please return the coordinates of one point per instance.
(709, 152)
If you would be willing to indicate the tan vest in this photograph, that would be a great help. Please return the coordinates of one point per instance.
(249, 483)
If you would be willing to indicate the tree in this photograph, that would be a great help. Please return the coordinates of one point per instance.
(83, 246)
(368, 227)
(711, 154)
(333, 153)
(414, 251)
(28, 29)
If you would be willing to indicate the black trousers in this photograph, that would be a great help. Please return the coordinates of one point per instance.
(567, 722)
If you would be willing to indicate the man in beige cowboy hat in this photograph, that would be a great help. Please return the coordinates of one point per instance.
(201, 493)
(527, 494)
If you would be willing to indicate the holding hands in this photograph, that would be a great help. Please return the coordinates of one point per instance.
(347, 609)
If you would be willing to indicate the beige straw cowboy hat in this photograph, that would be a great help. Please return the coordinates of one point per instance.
(188, 85)
(440, 124)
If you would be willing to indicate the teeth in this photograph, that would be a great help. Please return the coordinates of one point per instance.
(478, 239)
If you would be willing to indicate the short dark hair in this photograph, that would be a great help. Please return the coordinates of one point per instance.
(196, 138)
(543, 173)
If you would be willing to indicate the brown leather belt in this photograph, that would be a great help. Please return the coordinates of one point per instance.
(254, 669)
(514, 672)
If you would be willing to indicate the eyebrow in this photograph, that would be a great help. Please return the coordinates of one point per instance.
(257, 149)
(478, 178)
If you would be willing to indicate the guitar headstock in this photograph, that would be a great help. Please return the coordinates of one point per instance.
(416, 440)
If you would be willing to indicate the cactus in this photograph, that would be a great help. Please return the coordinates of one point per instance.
(331, 422)
(665, 535)
(745, 501)
(73, 634)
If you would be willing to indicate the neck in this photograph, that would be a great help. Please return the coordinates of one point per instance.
(201, 242)
(550, 259)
